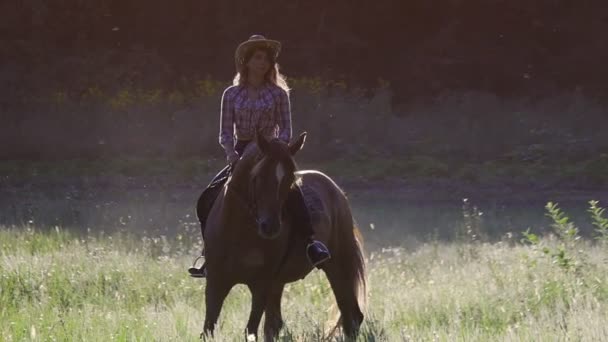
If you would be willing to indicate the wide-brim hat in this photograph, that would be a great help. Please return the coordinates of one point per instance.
(256, 40)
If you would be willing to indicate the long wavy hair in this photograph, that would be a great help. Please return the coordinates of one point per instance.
(272, 76)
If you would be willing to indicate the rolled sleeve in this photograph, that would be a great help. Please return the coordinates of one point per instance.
(226, 137)
(284, 108)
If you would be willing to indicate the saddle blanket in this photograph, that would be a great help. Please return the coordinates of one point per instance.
(304, 207)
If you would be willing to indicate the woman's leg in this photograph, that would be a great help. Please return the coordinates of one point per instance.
(316, 251)
(203, 207)
(206, 199)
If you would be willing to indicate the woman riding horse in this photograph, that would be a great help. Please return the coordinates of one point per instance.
(257, 102)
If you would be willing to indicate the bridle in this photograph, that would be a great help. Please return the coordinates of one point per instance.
(249, 201)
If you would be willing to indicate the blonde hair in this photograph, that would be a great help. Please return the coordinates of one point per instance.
(272, 76)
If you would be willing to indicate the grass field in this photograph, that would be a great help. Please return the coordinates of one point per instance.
(57, 286)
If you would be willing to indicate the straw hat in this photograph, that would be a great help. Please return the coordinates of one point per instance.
(255, 41)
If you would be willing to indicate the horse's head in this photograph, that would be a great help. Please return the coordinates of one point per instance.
(271, 179)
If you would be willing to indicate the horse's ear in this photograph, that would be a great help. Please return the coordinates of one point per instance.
(261, 142)
(297, 144)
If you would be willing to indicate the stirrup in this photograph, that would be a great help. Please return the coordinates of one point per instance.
(321, 251)
(198, 272)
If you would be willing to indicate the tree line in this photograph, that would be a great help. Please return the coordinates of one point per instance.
(422, 47)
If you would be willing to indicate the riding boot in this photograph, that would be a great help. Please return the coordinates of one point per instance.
(317, 253)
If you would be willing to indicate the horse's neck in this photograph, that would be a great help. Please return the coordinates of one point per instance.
(237, 194)
(240, 176)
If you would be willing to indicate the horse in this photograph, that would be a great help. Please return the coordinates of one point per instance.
(251, 240)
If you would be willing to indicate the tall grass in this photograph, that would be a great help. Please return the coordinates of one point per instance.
(56, 286)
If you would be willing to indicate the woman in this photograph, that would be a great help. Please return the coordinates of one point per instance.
(258, 101)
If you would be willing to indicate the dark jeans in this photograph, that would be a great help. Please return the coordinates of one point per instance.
(207, 198)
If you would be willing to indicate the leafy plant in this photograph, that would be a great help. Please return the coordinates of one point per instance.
(562, 226)
(599, 221)
(567, 233)
(564, 253)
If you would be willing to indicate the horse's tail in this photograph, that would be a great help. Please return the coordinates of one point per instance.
(359, 282)
(354, 250)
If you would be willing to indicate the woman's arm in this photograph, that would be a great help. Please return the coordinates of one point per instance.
(284, 117)
(227, 123)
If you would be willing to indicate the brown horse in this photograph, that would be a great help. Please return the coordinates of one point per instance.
(251, 240)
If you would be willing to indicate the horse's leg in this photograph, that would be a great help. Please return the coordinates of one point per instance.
(259, 294)
(340, 279)
(273, 322)
(215, 293)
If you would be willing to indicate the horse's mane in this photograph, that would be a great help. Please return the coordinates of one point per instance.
(276, 150)
(251, 151)
(244, 165)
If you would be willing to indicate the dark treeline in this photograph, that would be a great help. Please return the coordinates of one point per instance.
(532, 47)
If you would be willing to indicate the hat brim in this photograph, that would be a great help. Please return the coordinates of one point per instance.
(273, 45)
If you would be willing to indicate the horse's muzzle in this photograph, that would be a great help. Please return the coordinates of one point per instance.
(269, 228)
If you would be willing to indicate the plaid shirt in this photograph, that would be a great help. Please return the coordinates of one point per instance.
(241, 117)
